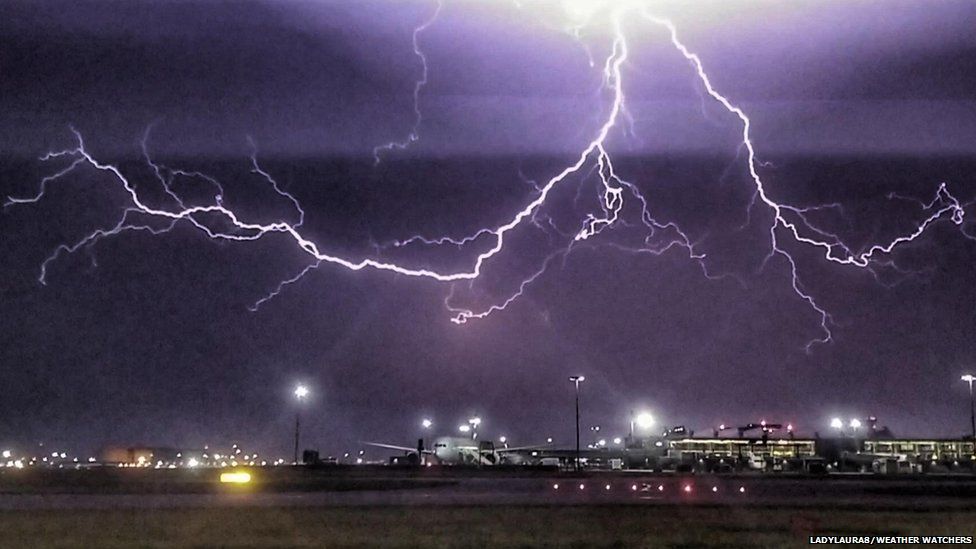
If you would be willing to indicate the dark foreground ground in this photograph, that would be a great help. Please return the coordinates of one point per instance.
(386, 507)
(467, 526)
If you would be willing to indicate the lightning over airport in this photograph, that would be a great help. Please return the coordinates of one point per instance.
(392, 273)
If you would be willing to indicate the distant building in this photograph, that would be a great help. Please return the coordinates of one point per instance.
(921, 450)
(139, 455)
(780, 448)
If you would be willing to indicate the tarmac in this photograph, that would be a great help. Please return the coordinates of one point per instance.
(393, 488)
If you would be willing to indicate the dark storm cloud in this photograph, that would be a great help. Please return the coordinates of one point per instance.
(155, 344)
(335, 77)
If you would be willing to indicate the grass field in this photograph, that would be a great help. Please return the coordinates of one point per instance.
(494, 526)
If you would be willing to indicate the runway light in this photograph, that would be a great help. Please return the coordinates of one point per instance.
(687, 488)
(633, 487)
(582, 486)
(555, 486)
(235, 478)
(714, 488)
(608, 486)
(742, 489)
(660, 487)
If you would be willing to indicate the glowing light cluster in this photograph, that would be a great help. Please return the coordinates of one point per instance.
(788, 222)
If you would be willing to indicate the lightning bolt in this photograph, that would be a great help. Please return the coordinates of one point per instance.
(833, 248)
(414, 134)
(616, 194)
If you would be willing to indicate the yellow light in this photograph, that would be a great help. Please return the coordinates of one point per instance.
(235, 478)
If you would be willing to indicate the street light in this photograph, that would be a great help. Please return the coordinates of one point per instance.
(645, 421)
(301, 393)
(426, 423)
(855, 424)
(837, 423)
(577, 380)
(972, 406)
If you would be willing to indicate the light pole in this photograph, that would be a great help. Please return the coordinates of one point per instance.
(577, 380)
(426, 423)
(301, 393)
(972, 404)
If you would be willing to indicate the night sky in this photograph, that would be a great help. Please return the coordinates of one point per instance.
(148, 339)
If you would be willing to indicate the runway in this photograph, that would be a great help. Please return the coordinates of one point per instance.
(549, 490)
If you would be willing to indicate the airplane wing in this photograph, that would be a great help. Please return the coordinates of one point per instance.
(394, 447)
(517, 448)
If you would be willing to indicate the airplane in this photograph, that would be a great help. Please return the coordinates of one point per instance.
(460, 451)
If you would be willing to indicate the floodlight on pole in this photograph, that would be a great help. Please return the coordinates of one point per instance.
(969, 378)
(645, 421)
(301, 393)
(577, 380)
